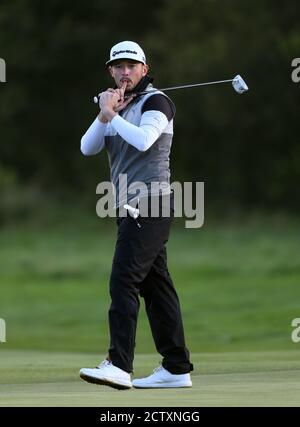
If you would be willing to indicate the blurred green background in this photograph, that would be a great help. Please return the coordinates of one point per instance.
(238, 276)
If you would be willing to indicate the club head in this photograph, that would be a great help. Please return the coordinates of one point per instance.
(239, 85)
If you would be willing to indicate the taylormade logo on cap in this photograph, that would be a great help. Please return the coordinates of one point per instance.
(123, 51)
(127, 50)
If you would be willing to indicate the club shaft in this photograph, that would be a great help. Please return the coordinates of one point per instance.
(177, 87)
(187, 86)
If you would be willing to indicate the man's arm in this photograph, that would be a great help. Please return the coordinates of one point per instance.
(111, 102)
(92, 141)
(141, 137)
(157, 113)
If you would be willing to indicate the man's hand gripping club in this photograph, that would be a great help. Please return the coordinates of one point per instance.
(111, 102)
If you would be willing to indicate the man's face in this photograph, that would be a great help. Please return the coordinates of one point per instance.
(128, 71)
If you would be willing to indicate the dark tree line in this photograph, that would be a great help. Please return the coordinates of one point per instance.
(244, 147)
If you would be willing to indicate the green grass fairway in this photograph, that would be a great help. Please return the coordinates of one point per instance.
(223, 379)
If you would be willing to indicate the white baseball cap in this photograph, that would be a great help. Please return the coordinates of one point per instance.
(127, 50)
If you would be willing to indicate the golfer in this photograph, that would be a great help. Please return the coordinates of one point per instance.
(137, 131)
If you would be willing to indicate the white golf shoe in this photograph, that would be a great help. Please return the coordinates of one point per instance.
(107, 374)
(161, 378)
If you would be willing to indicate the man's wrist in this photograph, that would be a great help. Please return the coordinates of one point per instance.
(109, 114)
(102, 118)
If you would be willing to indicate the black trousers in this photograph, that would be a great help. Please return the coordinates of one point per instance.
(140, 268)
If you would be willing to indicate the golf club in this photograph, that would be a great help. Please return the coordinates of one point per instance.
(239, 85)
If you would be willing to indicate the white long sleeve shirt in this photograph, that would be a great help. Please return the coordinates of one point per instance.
(141, 137)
